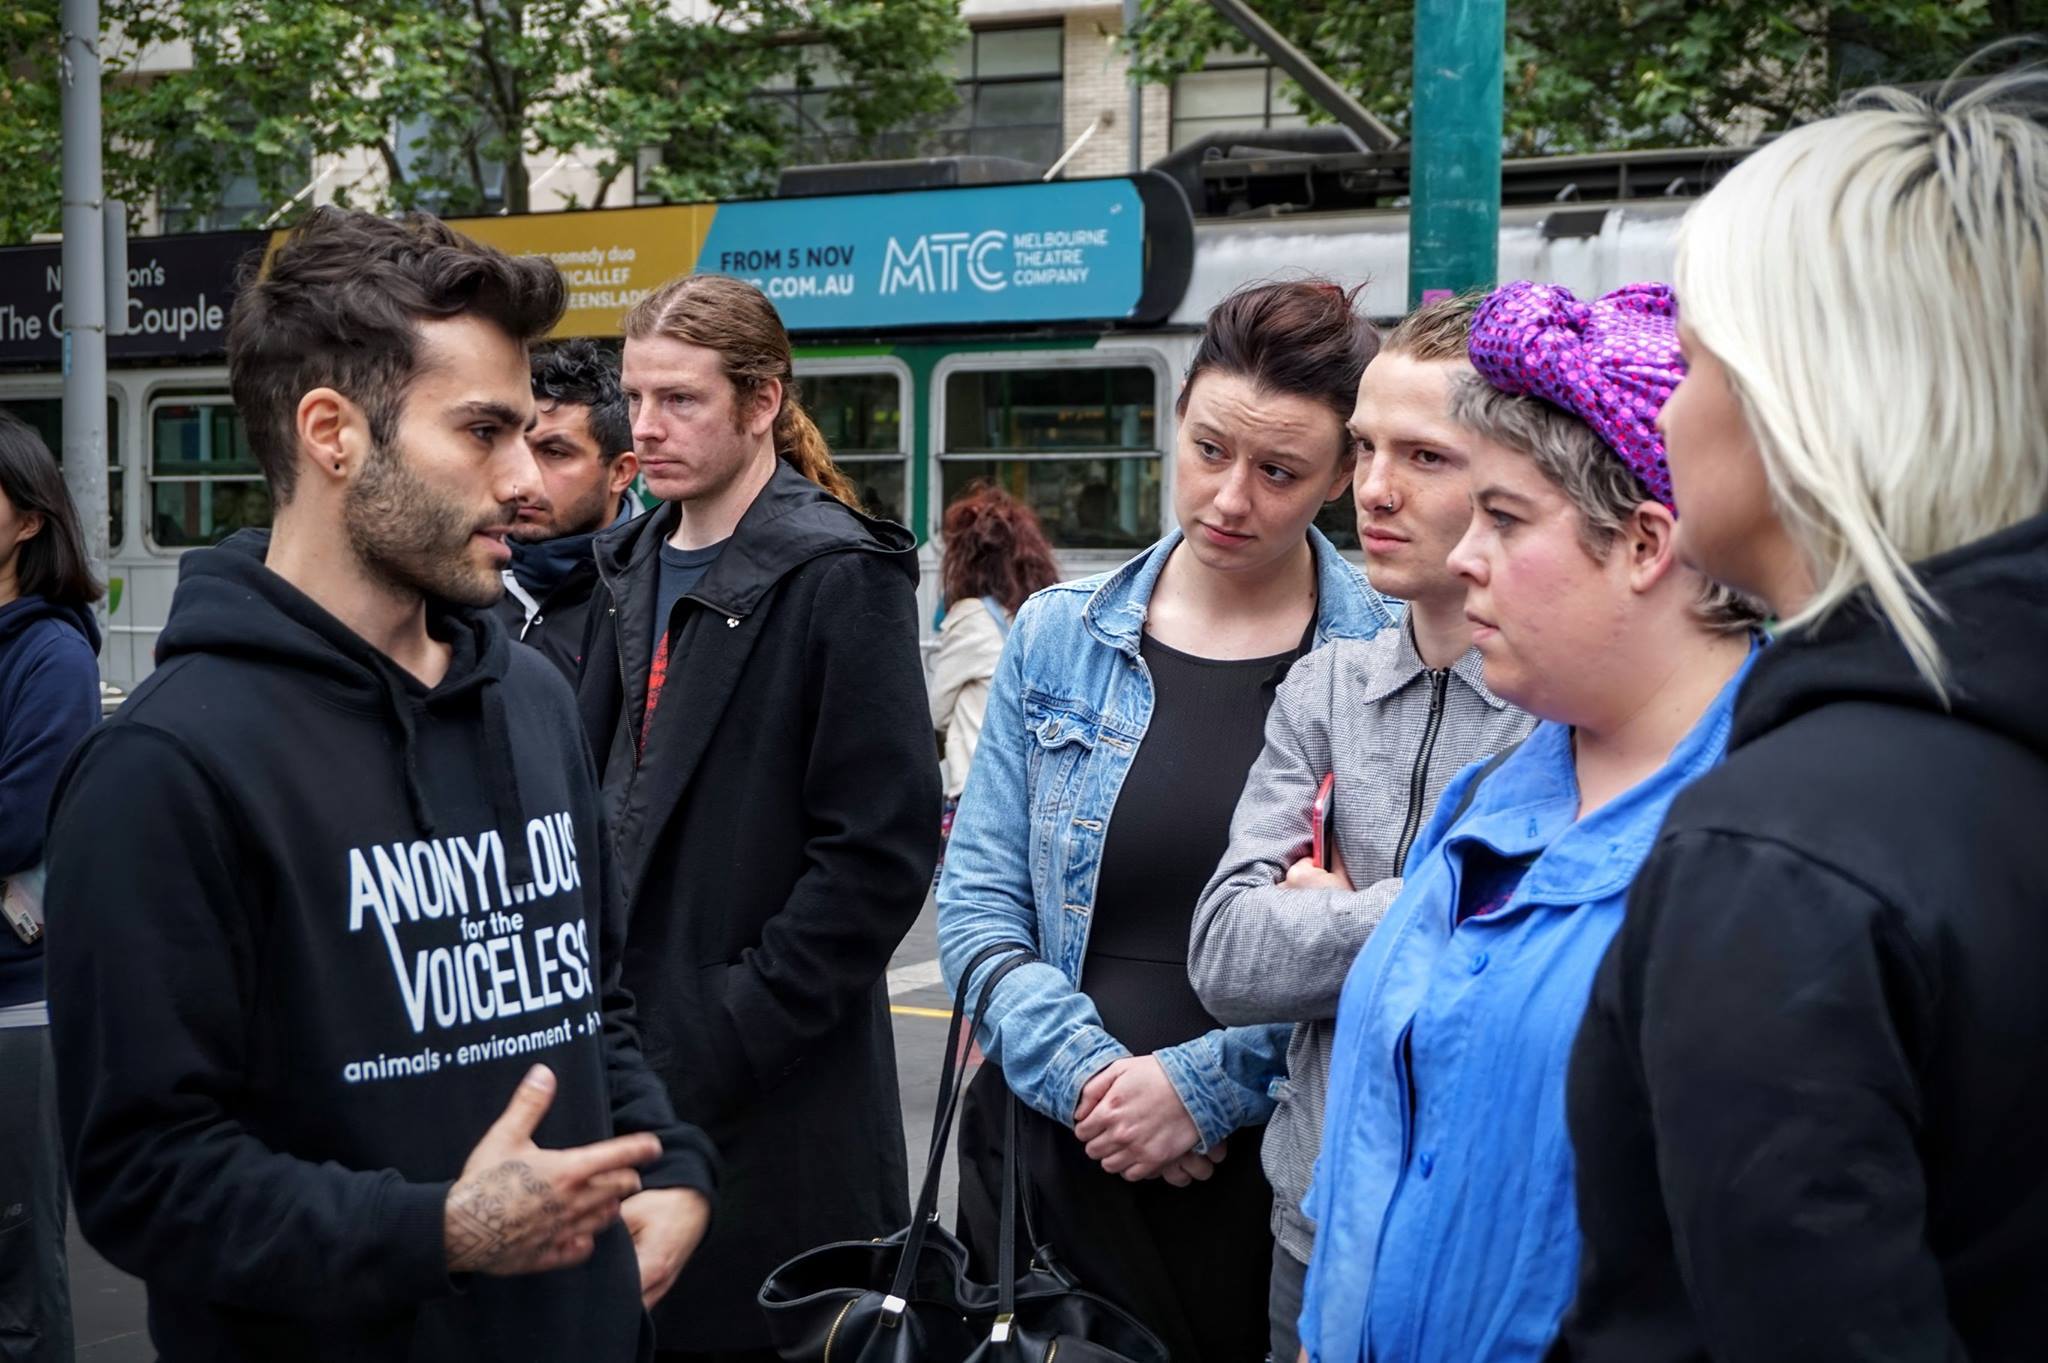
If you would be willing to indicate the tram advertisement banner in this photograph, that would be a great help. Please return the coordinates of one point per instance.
(1078, 251)
(1072, 251)
(179, 289)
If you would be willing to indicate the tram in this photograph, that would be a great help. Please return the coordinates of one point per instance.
(1031, 334)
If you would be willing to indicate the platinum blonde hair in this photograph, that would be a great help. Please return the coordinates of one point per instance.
(1876, 285)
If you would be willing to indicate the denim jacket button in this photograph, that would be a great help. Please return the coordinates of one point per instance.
(1426, 1162)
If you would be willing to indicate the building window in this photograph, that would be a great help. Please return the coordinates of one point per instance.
(46, 417)
(464, 179)
(1234, 91)
(1010, 104)
(204, 482)
(860, 415)
(1079, 444)
(242, 202)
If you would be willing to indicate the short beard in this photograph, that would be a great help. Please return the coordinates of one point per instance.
(413, 541)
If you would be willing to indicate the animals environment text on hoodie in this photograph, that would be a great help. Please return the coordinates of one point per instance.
(311, 921)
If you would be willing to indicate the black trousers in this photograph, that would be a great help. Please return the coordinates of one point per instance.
(35, 1289)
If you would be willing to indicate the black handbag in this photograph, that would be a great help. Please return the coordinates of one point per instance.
(910, 1299)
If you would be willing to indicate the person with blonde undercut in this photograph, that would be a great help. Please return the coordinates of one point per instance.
(1808, 1097)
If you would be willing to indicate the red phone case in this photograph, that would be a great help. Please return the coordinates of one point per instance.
(1319, 821)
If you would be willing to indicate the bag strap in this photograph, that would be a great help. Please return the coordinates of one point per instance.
(998, 614)
(1006, 1254)
(950, 1086)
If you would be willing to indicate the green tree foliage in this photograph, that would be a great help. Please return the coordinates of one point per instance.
(443, 103)
(1608, 74)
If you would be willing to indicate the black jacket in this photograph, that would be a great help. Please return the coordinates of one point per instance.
(778, 841)
(1810, 1095)
(310, 923)
(560, 576)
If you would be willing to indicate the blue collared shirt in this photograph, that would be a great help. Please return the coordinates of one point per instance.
(1448, 1230)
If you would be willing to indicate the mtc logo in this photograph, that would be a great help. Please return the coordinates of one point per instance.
(937, 261)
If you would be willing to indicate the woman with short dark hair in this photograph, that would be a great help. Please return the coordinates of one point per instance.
(49, 697)
(1125, 715)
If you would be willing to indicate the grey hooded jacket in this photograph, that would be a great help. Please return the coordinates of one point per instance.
(1395, 732)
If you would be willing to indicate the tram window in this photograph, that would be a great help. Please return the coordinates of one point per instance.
(1079, 444)
(861, 418)
(46, 417)
(1083, 503)
(1339, 521)
(205, 483)
(1040, 410)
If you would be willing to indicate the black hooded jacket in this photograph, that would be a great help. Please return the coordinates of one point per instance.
(1809, 1098)
(311, 921)
(777, 842)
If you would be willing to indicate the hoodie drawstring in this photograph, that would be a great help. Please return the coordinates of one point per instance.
(503, 775)
(408, 743)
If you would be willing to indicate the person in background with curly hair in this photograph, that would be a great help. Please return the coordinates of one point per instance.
(582, 446)
(996, 555)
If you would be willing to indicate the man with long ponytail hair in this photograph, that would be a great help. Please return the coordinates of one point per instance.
(753, 692)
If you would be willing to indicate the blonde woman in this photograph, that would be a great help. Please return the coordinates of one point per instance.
(1809, 1095)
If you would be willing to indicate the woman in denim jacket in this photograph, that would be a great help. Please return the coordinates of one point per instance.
(1126, 712)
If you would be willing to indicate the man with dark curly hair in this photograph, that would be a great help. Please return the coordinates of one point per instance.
(583, 444)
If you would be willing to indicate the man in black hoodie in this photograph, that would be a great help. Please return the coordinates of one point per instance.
(583, 446)
(344, 1071)
(754, 693)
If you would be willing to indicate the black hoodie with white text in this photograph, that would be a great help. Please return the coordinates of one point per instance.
(312, 920)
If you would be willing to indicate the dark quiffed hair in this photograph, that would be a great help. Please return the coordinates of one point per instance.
(994, 547)
(1304, 338)
(51, 564)
(337, 305)
(584, 374)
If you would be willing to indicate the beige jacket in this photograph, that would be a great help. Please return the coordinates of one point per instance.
(970, 644)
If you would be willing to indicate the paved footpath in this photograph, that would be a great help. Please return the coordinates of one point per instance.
(109, 1311)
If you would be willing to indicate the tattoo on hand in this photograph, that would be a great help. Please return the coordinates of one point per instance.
(496, 1213)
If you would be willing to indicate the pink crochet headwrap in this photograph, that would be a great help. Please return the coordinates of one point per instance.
(1611, 362)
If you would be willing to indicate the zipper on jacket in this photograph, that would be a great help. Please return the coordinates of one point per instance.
(1418, 779)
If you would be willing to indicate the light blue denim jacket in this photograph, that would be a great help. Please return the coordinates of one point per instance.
(1071, 702)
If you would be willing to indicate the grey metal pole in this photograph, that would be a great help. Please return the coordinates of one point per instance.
(85, 283)
(1133, 12)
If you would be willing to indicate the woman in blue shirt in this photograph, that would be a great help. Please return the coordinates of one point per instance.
(1125, 715)
(1443, 1195)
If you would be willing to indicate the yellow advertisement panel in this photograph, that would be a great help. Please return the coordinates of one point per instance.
(610, 259)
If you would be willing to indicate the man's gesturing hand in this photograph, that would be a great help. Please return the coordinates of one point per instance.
(520, 1209)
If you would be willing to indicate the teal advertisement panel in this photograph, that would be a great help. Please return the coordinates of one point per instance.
(958, 257)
